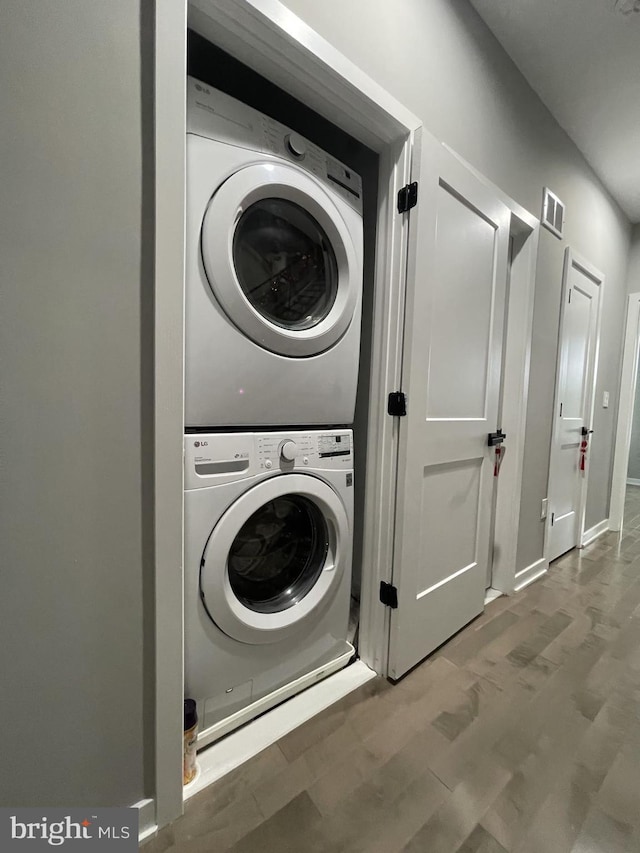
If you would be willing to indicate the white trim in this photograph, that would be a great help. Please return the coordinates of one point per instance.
(271, 39)
(592, 533)
(528, 222)
(151, 830)
(234, 750)
(383, 431)
(525, 231)
(573, 259)
(531, 573)
(633, 481)
(169, 147)
(146, 818)
(491, 594)
(628, 381)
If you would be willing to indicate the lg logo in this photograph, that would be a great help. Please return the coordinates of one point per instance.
(201, 444)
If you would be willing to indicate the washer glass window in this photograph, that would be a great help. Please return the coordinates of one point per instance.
(278, 554)
(285, 264)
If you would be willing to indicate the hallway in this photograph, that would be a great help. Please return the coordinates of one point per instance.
(520, 734)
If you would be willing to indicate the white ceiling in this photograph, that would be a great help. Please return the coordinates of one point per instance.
(582, 57)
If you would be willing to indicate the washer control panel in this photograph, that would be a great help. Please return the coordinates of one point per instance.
(320, 450)
(225, 457)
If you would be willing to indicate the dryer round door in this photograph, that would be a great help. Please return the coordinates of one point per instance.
(280, 260)
(274, 558)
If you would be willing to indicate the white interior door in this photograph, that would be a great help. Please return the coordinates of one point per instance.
(577, 357)
(452, 359)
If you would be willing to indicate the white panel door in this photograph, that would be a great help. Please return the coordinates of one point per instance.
(573, 408)
(452, 359)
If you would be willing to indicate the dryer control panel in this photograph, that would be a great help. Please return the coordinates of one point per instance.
(226, 457)
(216, 115)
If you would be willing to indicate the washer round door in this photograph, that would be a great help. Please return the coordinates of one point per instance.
(280, 260)
(274, 558)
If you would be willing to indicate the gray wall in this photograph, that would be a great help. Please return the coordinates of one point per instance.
(440, 60)
(71, 524)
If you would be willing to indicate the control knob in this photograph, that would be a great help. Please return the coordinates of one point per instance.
(295, 145)
(288, 450)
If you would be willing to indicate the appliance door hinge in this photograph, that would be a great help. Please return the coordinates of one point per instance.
(408, 197)
(388, 595)
(397, 404)
(553, 518)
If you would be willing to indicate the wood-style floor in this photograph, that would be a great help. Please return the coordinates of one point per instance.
(521, 734)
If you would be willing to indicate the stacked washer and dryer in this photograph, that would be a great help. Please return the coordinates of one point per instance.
(273, 309)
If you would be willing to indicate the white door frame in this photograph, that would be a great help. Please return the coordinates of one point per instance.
(573, 260)
(167, 616)
(628, 379)
(269, 38)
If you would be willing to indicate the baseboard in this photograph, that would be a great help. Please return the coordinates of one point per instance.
(491, 594)
(592, 533)
(632, 481)
(146, 819)
(531, 573)
(233, 750)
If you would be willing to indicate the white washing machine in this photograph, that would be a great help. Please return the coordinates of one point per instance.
(273, 272)
(268, 544)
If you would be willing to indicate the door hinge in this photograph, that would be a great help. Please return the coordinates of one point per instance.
(397, 404)
(388, 595)
(553, 518)
(569, 294)
(560, 409)
(408, 197)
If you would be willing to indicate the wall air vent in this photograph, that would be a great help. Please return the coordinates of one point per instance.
(552, 212)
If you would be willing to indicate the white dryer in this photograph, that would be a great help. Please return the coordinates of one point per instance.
(268, 544)
(273, 272)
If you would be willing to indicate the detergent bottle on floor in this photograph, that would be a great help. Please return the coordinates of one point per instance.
(189, 765)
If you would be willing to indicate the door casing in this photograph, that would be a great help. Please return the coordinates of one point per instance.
(628, 381)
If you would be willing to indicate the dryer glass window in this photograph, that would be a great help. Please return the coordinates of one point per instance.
(285, 264)
(278, 554)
